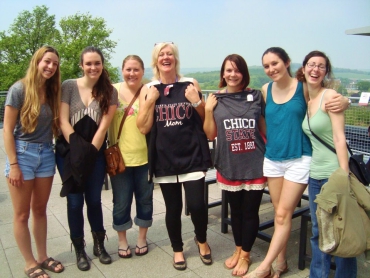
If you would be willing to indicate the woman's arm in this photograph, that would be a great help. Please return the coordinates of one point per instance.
(147, 99)
(264, 91)
(209, 125)
(100, 134)
(10, 119)
(65, 125)
(192, 95)
(339, 138)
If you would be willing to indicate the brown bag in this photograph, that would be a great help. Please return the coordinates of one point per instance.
(113, 156)
(115, 164)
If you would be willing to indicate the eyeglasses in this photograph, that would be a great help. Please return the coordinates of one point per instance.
(321, 67)
(163, 43)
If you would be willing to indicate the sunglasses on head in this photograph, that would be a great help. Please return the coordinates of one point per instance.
(163, 43)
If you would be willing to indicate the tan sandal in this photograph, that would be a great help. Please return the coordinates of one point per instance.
(263, 274)
(281, 268)
(244, 260)
(236, 253)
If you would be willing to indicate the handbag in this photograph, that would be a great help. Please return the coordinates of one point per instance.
(356, 161)
(113, 156)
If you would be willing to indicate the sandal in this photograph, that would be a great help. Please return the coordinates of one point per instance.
(244, 260)
(31, 272)
(264, 274)
(52, 267)
(281, 268)
(206, 259)
(232, 257)
(128, 255)
(142, 253)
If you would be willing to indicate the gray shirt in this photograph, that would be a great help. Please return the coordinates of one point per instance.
(43, 132)
(77, 109)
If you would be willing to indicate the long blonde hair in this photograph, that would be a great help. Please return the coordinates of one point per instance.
(32, 82)
(157, 49)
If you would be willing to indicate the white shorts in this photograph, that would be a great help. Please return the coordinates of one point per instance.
(295, 170)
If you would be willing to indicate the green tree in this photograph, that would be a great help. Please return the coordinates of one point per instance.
(363, 86)
(79, 31)
(342, 90)
(29, 32)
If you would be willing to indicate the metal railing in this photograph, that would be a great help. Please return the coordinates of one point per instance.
(357, 122)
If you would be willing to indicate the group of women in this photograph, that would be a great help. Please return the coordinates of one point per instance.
(260, 142)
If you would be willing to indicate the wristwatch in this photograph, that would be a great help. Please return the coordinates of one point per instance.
(195, 105)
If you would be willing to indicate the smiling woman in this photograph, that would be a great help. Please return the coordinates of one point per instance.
(132, 144)
(86, 110)
(172, 108)
(30, 120)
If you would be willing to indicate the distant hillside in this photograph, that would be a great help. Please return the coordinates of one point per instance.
(209, 80)
(209, 77)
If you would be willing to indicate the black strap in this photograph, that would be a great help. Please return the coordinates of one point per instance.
(322, 141)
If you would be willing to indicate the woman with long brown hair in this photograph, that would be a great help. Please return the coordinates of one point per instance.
(87, 107)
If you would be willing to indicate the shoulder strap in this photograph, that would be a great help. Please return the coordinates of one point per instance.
(126, 112)
(322, 141)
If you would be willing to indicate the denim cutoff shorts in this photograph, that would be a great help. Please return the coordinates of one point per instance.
(36, 160)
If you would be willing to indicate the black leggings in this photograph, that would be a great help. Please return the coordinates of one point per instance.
(194, 192)
(244, 207)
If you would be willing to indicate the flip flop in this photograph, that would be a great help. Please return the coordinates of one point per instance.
(124, 250)
(143, 253)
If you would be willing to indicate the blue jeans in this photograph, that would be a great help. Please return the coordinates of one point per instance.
(134, 181)
(320, 264)
(92, 197)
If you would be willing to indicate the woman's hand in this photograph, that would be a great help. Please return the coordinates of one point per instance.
(152, 94)
(15, 176)
(211, 103)
(191, 94)
(337, 103)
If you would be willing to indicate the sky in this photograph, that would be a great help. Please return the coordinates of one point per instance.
(206, 31)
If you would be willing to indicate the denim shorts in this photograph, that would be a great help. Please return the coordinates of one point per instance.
(36, 160)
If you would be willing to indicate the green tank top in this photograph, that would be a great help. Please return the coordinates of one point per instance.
(324, 162)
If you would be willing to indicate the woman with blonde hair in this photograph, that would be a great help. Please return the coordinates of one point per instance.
(172, 109)
(30, 121)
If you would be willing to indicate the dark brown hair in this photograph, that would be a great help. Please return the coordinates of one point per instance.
(281, 53)
(328, 73)
(103, 89)
(242, 67)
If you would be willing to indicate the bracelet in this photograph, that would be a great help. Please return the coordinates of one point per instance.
(13, 163)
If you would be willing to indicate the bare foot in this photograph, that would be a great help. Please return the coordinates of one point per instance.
(124, 251)
(242, 267)
(233, 260)
(178, 257)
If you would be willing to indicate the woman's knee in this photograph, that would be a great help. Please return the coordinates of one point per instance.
(283, 217)
(22, 217)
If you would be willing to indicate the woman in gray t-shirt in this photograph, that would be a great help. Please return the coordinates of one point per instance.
(30, 120)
